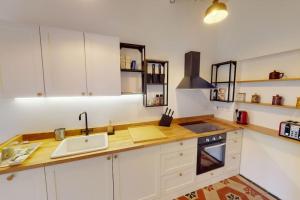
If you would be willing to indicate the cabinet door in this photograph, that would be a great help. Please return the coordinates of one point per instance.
(27, 185)
(85, 179)
(21, 71)
(64, 62)
(103, 65)
(137, 174)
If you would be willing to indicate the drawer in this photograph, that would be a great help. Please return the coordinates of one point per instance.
(233, 162)
(234, 145)
(177, 180)
(234, 135)
(211, 174)
(173, 161)
(180, 145)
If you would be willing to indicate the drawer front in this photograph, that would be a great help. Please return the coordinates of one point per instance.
(211, 174)
(233, 162)
(234, 145)
(234, 134)
(177, 180)
(173, 161)
(180, 145)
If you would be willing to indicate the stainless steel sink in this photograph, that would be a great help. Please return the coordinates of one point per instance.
(81, 144)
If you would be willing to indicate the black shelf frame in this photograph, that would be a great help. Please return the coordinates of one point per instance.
(142, 50)
(165, 85)
(230, 83)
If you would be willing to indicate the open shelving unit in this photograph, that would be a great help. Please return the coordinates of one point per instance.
(230, 83)
(162, 83)
(142, 50)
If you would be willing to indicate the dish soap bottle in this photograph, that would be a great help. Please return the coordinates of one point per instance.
(110, 129)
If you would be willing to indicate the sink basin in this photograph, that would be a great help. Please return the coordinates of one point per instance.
(81, 144)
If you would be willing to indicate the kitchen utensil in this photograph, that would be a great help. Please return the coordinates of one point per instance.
(298, 102)
(166, 118)
(155, 77)
(290, 129)
(242, 117)
(277, 100)
(160, 74)
(276, 75)
(255, 98)
(145, 133)
(59, 134)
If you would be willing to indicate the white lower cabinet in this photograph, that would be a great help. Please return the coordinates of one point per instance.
(25, 185)
(137, 174)
(89, 179)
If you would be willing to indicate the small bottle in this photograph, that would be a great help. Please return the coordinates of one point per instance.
(157, 100)
(110, 129)
(161, 99)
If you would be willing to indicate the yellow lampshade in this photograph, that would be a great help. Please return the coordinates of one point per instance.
(215, 13)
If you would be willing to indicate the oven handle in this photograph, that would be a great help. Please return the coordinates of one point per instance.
(214, 146)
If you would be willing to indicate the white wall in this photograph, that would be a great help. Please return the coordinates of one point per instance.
(258, 28)
(167, 30)
(274, 164)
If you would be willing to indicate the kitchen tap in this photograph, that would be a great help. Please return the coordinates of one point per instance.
(86, 131)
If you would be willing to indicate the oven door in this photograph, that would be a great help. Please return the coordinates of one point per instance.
(210, 156)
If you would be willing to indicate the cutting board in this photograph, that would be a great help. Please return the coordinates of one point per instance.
(146, 133)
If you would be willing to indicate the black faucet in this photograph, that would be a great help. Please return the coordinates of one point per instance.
(86, 131)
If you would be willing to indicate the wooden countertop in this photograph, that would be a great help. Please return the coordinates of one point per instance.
(119, 142)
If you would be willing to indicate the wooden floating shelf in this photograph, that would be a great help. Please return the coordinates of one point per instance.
(268, 80)
(269, 132)
(130, 93)
(269, 104)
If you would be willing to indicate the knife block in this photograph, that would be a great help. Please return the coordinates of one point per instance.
(165, 120)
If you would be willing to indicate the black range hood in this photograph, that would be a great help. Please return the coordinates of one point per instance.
(191, 79)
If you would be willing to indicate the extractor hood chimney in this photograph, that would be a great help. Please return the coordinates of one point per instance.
(191, 79)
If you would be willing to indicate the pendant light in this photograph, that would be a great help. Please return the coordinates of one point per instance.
(216, 12)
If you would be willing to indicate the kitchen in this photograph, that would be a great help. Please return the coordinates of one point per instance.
(260, 44)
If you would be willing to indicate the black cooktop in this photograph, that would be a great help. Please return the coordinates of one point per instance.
(201, 127)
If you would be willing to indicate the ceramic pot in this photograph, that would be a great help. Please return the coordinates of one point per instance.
(255, 98)
(276, 75)
(298, 102)
(277, 100)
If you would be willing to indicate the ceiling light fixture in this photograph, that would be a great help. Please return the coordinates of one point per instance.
(216, 12)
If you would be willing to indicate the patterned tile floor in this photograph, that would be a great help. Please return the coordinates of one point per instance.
(234, 188)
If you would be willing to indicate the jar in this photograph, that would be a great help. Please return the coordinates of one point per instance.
(298, 102)
(255, 98)
(277, 100)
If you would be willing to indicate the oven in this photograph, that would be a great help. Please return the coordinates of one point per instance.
(211, 153)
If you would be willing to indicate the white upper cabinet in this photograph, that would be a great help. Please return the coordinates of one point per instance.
(64, 62)
(21, 71)
(103, 65)
(89, 179)
(137, 174)
(26, 185)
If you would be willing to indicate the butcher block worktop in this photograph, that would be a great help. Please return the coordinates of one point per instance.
(119, 142)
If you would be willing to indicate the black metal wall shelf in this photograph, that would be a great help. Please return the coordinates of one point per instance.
(142, 51)
(160, 79)
(230, 83)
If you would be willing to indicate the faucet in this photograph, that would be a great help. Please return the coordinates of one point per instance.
(86, 131)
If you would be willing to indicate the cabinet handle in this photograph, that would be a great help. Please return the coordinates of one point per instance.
(233, 157)
(83, 93)
(115, 156)
(234, 141)
(236, 132)
(90, 94)
(181, 154)
(39, 94)
(180, 174)
(181, 143)
(108, 158)
(10, 177)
